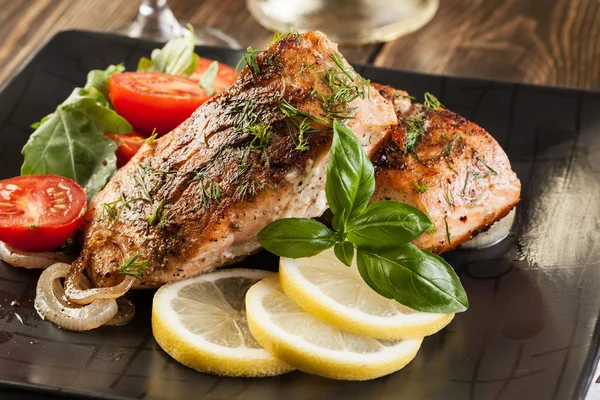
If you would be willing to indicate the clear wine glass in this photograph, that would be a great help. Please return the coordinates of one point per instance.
(346, 21)
(155, 20)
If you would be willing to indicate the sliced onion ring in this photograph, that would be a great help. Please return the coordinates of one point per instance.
(76, 294)
(33, 260)
(51, 303)
(497, 232)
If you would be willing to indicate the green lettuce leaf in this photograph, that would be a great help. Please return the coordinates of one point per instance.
(177, 57)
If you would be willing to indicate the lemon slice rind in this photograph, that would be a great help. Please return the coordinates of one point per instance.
(198, 353)
(311, 358)
(405, 324)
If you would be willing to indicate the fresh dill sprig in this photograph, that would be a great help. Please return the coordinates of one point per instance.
(447, 150)
(431, 103)
(344, 89)
(249, 189)
(261, 140)
(421, 186)
(403, 95)
(132, 267)
(451, 167)
(112, 210)
(299, 120)
(157, 214)
(414, 128)
(492, 171)
(249, 59)
(152, 137)
(210, 192)
(305, 68)
(466, 181)
(448, 195)
(447, 230)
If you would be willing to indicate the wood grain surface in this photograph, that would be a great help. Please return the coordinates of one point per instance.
(539, 41)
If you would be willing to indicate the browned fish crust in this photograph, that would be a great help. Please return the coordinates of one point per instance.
(457, 173)
(194, 199)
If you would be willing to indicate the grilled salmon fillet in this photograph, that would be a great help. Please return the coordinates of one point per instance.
(454, 171)
(195, 199)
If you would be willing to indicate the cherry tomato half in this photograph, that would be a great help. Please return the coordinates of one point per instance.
(153, 100)
(127, 145)
(39, 212)
(225, 75)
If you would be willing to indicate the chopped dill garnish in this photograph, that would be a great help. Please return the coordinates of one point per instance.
(403, 95)
(157, 214)
(132, 267)
(450, 166)
(261, 140)
(210, 192)
(249, 60)
(276, 37)
(448, 195)
(492, 171)
(466, 181)
(447, 151)
(431, 103)
(112, 210)
(301, 121)
(337, 60)
(152, 137)
(344, 89)
(249, 189)
(305, 67)
(421, 186)
(447, 230)
(414, 128)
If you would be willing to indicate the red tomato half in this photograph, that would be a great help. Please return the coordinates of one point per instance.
(128, 145)
(149, 100)
(39, 212)
(225, 75)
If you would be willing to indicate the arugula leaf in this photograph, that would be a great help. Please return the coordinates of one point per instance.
(98, 78)
(296, 237)
(177, 57)
(386, 224)
(415, 278)
(207, 79)
(344, 251)
(350, 178)
(71, 142)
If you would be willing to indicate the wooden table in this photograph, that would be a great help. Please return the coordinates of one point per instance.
(553, 42)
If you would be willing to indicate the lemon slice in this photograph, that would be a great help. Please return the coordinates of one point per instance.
(201, 322)
(335, 293)
(316, 347)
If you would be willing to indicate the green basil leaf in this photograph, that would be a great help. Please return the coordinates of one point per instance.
(415, 278)
(207, 79)
(387, 224)
(177, 57)
(98, 78)
(71, 142)
(350, 178)
(296, 237)
(344, 251)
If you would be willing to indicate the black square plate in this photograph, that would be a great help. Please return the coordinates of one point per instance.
(531, 331)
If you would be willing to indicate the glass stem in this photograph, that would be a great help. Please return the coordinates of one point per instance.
(155, 19)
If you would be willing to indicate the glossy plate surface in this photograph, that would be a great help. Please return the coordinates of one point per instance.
(531, 330)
